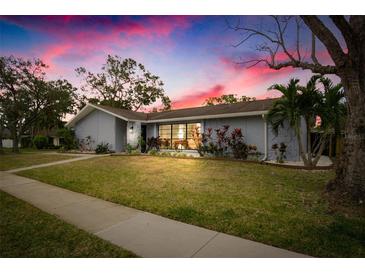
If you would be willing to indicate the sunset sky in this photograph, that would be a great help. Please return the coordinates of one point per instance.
(193, 55)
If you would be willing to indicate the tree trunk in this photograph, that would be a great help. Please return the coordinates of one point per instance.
(350, 168)
(15, 137)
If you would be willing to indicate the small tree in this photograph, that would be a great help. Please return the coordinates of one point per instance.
(124, 84)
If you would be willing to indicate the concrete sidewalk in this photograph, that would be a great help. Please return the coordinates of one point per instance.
(143, 233)
(78, 157)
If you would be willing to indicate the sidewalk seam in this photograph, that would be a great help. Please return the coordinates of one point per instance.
(204, 245)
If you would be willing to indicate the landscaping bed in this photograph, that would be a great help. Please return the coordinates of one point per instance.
(283, 207)
(26, 231)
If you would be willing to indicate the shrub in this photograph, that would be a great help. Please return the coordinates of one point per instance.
(40, 141)
(85, 144)
(153, 152)
(67, 138)
(129, 148)
(237, 144)
(135, 152)
(280, 152)
(102, 148)
(222, 140)
(153, 143)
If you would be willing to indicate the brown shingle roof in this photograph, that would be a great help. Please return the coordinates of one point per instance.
(259, 105)
(129, 114)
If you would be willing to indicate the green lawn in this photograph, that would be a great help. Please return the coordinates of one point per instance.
(26, 158)
(282, 207)
(25, 231)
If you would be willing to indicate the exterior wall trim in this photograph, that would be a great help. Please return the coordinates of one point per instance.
(215, 116)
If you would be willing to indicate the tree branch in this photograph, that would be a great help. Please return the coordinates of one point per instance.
(344, 27)
(327, 38)
(313, 52)
(315, 68)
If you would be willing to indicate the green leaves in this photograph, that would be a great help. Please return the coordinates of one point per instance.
(28, 100)
(124, 84)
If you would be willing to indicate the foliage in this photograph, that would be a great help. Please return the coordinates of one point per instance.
(280, 151)
(102, 148)
(124, 84)
(28, 100)
(141, 142)
(153, 152)
(197, 137)
(68, 138)
(237, 144)
(129, 148)
(227, 99)
(40, 141)
(309, 102)
(222, 140)
(153, 143)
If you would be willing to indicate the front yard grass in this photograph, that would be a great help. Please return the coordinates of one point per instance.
(26, 231)
(26, 158)
(277, 206)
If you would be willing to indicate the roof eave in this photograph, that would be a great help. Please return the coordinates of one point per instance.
(202, 117)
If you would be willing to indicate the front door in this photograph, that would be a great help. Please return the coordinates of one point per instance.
(144, 138)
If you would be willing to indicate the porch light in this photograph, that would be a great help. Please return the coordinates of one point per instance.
(131, 129)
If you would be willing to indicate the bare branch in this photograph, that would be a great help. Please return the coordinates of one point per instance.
(252, 63)
(313, 52)
(297, 21)
(315, 68)
(327, 38)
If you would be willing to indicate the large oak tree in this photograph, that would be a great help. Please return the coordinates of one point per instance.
(28, 100)
(123, 83)
(348, 65)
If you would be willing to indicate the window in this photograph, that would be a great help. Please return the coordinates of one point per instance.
(164, 132)
(192, 144)
(178, 136)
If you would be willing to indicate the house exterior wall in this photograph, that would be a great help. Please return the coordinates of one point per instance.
(120, 135)
(100, 126)
(287, 136)
(133, 134)
(253, 129)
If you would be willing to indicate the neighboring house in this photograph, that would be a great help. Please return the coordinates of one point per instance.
(7, 139)
(120, 127)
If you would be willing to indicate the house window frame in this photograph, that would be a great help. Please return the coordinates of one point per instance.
(171, 128)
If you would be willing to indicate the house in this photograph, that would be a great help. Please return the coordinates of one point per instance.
(120, 127)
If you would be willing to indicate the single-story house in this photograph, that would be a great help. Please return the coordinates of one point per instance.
(120, 127)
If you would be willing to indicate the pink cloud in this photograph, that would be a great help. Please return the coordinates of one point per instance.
(83, 37)
(197, 97)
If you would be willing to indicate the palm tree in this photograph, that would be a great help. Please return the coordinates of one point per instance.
(288, 109)
(333, 108)
(309, 102)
